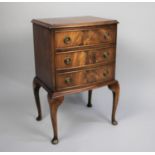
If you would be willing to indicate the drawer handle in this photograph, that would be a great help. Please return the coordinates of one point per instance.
(67, 40)
(105, 74)
(68, 80)
(106, 35)
(105, 54)
(68, 61)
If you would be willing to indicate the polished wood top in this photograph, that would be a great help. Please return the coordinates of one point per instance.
(73, 21)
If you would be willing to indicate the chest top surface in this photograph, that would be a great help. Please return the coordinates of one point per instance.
(73, 21)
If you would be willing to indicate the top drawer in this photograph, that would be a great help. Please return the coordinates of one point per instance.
(72, 38)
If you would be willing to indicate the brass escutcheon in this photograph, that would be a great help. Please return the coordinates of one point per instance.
(68, 80)
(67, 40)
(68, 61)
(105, 73)
(105, 55)
(106, 35)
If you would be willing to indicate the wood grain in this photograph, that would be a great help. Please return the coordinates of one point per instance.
(84, 58)
(72, 22)
(82, 77)
(43, 55)
(86, 37)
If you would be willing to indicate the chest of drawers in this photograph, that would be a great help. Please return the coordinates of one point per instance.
(74, 55)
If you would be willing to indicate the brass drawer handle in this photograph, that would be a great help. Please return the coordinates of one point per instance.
(68, 80)
(105, 74)
(67, 40)
(105, 55)
(68, 61)
(106, 35)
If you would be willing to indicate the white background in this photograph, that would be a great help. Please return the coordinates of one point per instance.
(80, 128)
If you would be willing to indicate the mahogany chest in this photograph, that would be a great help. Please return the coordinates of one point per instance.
(74, 55)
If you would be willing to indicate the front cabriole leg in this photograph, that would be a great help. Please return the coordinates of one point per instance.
(115, 90)
(54, 104)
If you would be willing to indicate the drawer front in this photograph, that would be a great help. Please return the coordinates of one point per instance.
(84, 57)
(84, 77)
(107, 34)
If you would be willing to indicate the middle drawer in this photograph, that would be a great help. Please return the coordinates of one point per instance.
(83, 58)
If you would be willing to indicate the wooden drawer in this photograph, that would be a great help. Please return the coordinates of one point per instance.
(83, 77)
(73, 59)
(106, 34)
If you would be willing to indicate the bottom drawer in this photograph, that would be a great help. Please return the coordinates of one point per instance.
(83, 77)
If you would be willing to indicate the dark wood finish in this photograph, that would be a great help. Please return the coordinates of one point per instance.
(73, 55)
(89, 98)
(36, 87)
(43, 55)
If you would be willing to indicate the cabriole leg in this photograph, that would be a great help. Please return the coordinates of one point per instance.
(36, 87)
(89, 98)
(54, 104)
(115, 90)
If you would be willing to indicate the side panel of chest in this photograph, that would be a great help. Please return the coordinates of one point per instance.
(44, 55)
